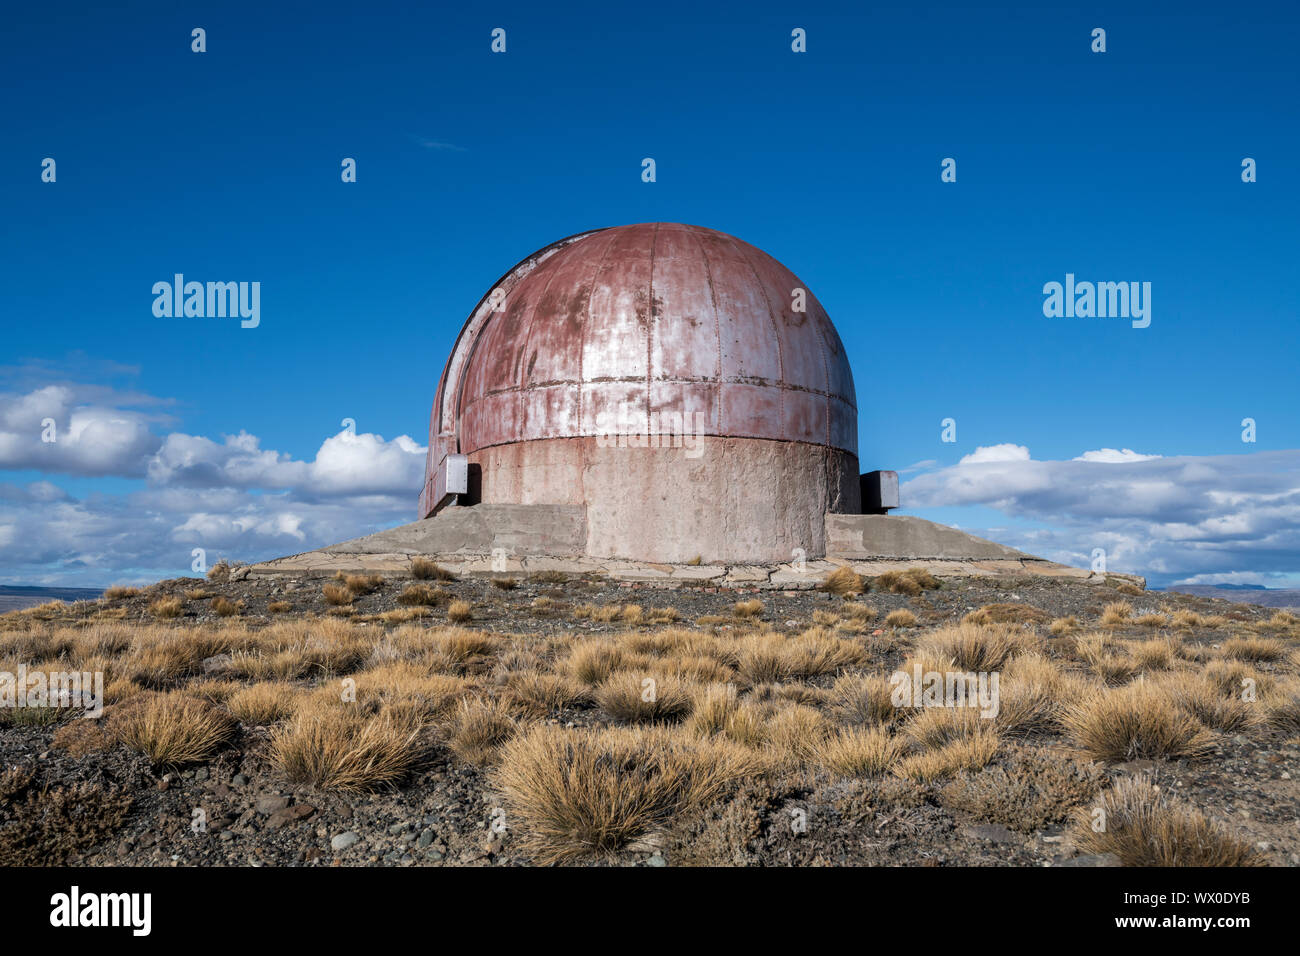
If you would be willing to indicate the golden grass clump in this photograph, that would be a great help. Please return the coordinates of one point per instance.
(634, 699)
(337, 595)
(1138, 823)
(421, 595)
(1203, 699)
(540, 694)
(1063, 625)
(279, 607)
(858, 751)
(864, 699)
(1116, 614)
(263, 703)
(968, 753)
(423, 569)
(1138, 721)
(844, 582)
(505, 584)
(173, 729)
(459, 611)
(360, 584)
(479, 728)
(1253, 649)
(224, 607)
(972, 647)
(167, 607)
(1006, 613)
(1153, 655)
(119, 591)
(900, 618)
(337, 747)
(582, 793)
(910, 582)
(748, 609)
(1104, 657)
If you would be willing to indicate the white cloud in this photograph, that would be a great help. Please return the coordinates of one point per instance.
(229, 496)
(992, 453)
(1173, 517)
(1114, 455)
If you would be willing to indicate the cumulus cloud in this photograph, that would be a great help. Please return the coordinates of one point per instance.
(55, 429)
(1167, 517)
(228, 495)
(1114, 455)
(988, 453)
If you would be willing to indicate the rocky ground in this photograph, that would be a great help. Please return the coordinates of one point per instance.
(239, 809)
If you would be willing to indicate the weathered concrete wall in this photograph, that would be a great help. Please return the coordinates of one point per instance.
(858, 537)
(557, 530)
(742, 500)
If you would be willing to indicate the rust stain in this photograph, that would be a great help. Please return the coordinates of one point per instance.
(618, 316)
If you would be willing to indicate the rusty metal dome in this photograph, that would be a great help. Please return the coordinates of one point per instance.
(656, 317)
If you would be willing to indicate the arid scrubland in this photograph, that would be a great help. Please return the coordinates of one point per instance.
(696, 729)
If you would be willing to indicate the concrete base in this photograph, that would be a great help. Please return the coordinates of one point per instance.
(528, 539)
(866, 537)
(724, 500)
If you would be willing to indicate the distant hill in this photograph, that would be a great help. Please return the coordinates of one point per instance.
(1244, 594)
(16, 597)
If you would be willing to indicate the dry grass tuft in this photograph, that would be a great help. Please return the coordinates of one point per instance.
(844, 582)
(263, 703)
(1006, 614)
(336, 595)
(1116, 614)
(336, 747)
(223, 607)
(864, 699)
(1135, 722)
(360, 584)
(119, 591)
(167, 607)
(540, 695)
(1063, 625)
(480, 728)
(972, 647)
(748, 609)
(1143, 827)
(910, 582)
(421, 595)
(1253, 649)
(633, 699)
(505, 584)
(859, 751)
(584, 793)
(1203, 699)
(173, 729)
(969, 753)
(279, 607)
(900, 618)
(422, 569)
(459, 612)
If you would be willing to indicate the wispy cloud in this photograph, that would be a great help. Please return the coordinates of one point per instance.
(1177, 517)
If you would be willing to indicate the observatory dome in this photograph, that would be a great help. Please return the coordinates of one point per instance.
(682, 385)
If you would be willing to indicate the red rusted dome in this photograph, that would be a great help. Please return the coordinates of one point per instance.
(656, 318)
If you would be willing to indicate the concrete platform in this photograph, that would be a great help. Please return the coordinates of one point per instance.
(525, 539)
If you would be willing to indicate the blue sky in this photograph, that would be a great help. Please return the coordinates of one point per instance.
(1120, 166)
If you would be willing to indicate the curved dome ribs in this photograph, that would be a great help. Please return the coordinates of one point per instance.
(655, 319)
